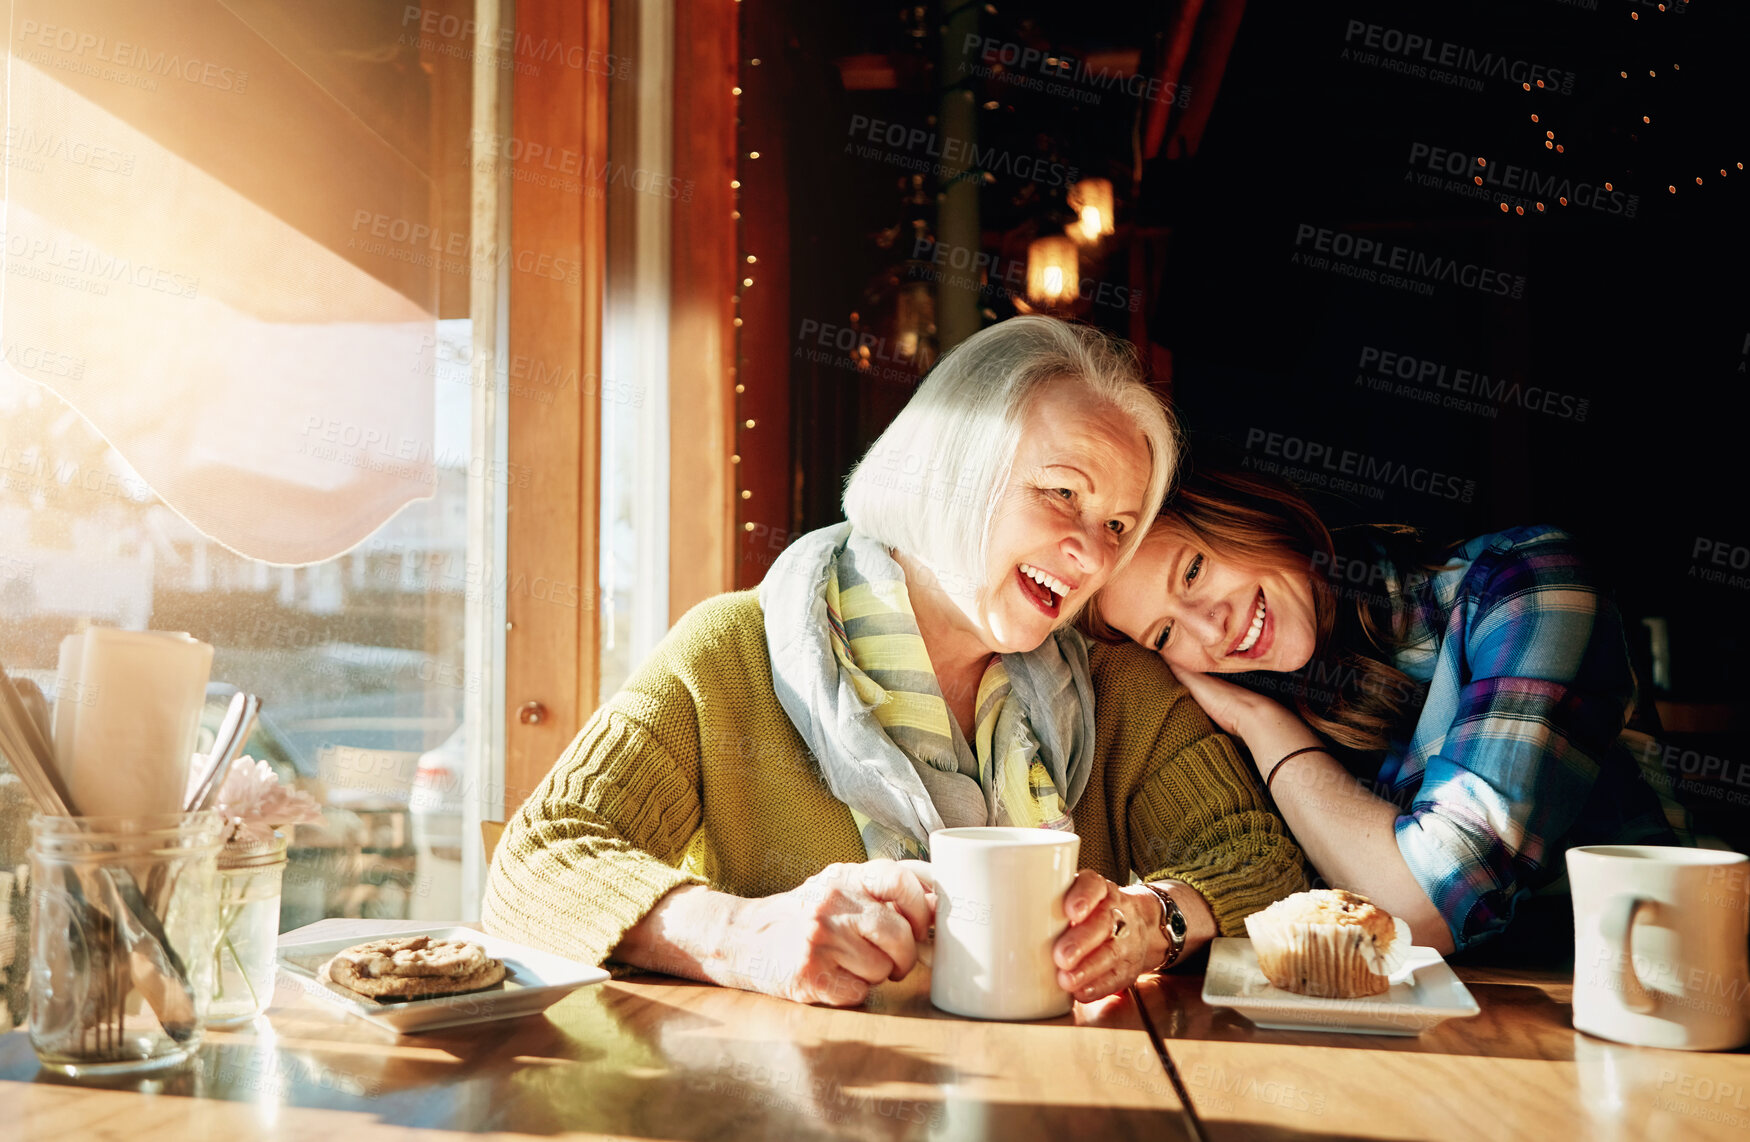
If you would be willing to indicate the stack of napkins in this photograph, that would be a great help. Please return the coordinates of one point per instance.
(127, 718)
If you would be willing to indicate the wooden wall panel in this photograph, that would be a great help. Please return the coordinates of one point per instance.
(557, 249)
(701, 332)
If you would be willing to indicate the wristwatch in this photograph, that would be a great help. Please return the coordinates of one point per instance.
(1173, 926)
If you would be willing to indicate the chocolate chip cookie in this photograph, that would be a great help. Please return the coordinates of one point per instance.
(413, 967)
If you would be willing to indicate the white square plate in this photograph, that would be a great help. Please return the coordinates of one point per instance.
(533, 981)
(1423, 994)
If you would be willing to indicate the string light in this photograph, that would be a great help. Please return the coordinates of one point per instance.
(1646, 120)
(736, 322)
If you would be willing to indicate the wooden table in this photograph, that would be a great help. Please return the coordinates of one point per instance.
(651, 1057)
(648, 1057)
(1517, 1070)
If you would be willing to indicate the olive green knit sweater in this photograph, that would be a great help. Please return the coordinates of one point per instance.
(693, 774)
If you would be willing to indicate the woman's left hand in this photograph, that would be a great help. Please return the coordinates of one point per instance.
(1092, 960)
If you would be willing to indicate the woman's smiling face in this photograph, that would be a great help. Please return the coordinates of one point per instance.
(1076, 489)
(1212, 615)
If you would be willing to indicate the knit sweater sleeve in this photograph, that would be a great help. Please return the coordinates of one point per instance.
(597, 845)
(602, 838)
(1195, 812)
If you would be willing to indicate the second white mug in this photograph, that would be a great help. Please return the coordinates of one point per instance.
(1660, 945)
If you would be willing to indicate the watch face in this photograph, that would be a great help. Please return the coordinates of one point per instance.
(1173, 924)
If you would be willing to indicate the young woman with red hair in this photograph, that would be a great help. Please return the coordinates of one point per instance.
(1437, 726)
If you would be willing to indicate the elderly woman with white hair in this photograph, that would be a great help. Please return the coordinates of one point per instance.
(739, 812)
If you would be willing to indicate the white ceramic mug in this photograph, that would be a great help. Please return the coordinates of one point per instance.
(999, 910)
(1660, 937)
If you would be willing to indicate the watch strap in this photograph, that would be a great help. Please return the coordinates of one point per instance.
(1172, 925)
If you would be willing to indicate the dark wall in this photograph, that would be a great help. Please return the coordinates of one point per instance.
(1612, 331)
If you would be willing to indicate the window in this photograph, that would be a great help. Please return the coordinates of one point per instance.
(311, 201)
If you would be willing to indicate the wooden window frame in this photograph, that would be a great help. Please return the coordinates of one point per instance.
(558, 242)
(701, 354)
(552, 528)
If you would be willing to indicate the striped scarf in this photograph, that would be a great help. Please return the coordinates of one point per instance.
(912, 770)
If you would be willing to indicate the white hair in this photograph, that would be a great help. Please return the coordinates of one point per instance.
(930, 483)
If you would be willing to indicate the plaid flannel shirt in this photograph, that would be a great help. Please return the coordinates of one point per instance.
(1517, 754)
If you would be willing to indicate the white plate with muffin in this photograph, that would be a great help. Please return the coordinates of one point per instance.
(1330, 960)
(429, 979)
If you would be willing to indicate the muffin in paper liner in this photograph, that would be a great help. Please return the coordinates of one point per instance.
(1328, 943)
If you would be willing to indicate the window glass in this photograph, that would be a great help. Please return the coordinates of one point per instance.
(358, 657)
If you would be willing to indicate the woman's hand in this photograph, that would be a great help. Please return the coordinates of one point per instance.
(833, 937)
(1232, 707)
(1092, 962)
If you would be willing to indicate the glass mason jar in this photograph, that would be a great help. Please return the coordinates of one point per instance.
(122, 918)
(250, 874)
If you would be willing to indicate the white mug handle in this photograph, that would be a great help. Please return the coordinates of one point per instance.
(1616, 922)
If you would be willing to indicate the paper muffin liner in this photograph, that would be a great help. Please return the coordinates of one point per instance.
(1332, 961)
(1387, 961)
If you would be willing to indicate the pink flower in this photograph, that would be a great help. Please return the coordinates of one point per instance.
(255, 803)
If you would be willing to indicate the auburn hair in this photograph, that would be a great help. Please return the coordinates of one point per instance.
(1349, 691)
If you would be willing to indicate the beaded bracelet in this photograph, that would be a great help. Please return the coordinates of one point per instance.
(1289, 756)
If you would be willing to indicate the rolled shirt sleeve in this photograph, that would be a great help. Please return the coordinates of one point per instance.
(1531, 692)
